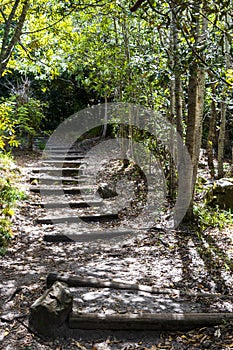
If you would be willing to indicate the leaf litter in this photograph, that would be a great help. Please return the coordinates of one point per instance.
(159, 258)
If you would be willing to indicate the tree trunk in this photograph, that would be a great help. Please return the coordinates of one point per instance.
(196, 91)
(173, 117)
(221, 140)
(211, 135)
(222, 130)
(194, 126)
(105, 126)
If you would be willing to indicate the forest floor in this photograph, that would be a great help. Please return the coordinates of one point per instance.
(160, 258)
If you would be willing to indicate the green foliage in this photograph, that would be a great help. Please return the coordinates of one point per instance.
(9, 194)
(212, 217)
(29, 115)
(18, 116)
(7, 125)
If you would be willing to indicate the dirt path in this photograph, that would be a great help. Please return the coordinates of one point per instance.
(159, 258)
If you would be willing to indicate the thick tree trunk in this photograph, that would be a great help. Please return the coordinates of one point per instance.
(194, 126)
(196, 91)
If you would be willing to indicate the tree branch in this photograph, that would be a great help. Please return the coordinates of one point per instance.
(7, 29)
(63, 17)
(197, 55)
(137, 5)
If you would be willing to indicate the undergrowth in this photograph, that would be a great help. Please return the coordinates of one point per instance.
(212, 217)
(9, 195)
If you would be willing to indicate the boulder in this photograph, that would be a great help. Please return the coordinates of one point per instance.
(221, 194)
(105, 191)
(52, 309)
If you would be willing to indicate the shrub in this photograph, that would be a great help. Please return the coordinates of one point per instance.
(9, 194)
(19, 116)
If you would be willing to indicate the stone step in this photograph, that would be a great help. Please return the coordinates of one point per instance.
(57, 147)
(57, 190)
(86, 236)
(61, 156)
(57, 180)
(57, 171)
(61, 151)
(63, 163)
(72, 205)
(75, 219)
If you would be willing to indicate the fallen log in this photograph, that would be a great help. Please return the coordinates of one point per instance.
(76, 281)
(80, 281)
(147, 322)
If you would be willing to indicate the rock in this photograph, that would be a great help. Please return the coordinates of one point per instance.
(105, 191)
(52, 309)
(221, 194)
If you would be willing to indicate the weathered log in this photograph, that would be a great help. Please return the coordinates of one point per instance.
(78, 281)
(51, 310)
(73, 219)
(147, 322)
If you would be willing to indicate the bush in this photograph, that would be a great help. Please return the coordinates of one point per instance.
(19, 116)
(9, 194)
(7, 125)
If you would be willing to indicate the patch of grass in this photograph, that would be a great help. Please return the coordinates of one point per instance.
(212, 217)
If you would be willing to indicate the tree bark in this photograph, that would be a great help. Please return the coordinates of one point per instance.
(211, 135)
(221, 140)
(8, 45)
(194, 126)
(80, 281)
(196, 90)
(222, 130)
(161, 322)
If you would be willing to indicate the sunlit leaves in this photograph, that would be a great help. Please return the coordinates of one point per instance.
(7, 125)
